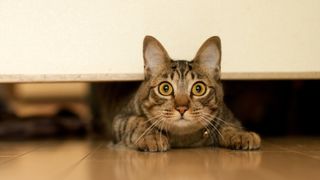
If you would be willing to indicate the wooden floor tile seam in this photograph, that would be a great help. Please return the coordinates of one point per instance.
(296, 152)
(8, 156)
(21, 155)
(66, 172)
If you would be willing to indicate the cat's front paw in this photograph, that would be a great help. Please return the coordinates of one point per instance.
(153, 143)
(244, 141)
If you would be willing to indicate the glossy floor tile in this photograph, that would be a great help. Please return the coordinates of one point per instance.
(279, 158)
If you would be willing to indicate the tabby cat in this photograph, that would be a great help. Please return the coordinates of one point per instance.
(180, 104)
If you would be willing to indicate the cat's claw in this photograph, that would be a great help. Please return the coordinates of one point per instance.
(245, 141)
(153, 143)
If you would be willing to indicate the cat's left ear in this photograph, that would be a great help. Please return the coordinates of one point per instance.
(155, 56)
(208, 57)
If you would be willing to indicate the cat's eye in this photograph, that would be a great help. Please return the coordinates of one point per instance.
(165, 89)
(199, 89)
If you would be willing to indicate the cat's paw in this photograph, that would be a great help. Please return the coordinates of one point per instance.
(153, 143)
(244, 141)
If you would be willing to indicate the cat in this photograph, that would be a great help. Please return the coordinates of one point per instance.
(179, 104)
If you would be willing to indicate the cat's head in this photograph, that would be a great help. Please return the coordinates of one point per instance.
(182, 96)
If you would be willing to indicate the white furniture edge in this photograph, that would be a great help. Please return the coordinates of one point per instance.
(38, 78)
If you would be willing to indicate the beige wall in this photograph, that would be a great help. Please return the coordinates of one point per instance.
(105, 37)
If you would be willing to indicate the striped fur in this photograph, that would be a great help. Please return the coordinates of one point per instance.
(155, 122)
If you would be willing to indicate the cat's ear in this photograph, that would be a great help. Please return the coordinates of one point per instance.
(208, 57)
(155, 56)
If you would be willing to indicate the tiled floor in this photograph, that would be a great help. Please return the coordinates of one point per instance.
(279, 158)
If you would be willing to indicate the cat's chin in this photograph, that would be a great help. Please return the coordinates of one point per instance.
(183, 126)
(183, 123)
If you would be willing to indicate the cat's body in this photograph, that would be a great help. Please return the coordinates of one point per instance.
(179, 104)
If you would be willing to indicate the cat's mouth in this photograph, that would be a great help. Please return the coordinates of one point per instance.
(182, 120)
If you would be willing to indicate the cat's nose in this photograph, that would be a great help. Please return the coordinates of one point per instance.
(182, 109)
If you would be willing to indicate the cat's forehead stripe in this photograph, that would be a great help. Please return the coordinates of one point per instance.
(192, 75)
(182, 68)
(172, 75)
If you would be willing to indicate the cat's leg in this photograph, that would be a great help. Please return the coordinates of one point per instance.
(236, 138)
(136, 132)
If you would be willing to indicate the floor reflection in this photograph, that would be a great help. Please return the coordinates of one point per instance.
(204, 163)
(279, 159)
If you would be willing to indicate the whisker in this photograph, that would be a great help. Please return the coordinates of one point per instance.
(204, 126)
(167, 125)
(225, 122)
(212, 125)
(148, 130)
(219, 119)
(155, 117)
(160, 134)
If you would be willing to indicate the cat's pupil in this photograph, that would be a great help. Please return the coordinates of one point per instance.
(198, 88)
(166, 88)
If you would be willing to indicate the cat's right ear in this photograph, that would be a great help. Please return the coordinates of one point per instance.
(155, 56)
(208, 58)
